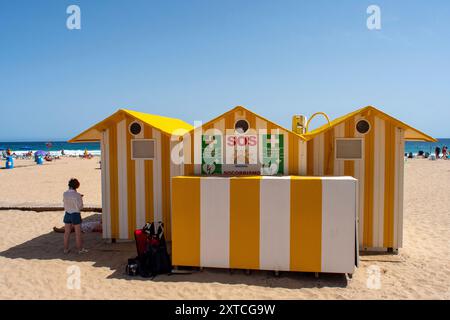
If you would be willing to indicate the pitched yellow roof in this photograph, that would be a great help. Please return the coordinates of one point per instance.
(165, 124)
(410, 132)
(237, 108)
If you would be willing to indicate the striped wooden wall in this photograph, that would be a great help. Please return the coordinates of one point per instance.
(265, 223)
(380, 175)
(135, 191)
(294, 147)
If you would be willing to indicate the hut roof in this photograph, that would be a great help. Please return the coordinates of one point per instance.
(410, 132)
(165, 124)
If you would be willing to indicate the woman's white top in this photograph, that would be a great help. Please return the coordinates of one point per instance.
(73, 201)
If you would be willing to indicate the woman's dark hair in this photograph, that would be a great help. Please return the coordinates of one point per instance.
(74, 184)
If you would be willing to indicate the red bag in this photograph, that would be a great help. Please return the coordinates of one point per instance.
(141, 242)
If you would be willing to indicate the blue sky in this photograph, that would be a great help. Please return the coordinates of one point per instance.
(194, 59)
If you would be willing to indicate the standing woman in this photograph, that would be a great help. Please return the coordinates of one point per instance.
(73, 203)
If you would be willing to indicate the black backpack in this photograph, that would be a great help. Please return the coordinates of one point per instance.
(156, 259)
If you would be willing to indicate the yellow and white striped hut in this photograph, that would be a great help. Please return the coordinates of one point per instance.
(369, 145)
(136, 169)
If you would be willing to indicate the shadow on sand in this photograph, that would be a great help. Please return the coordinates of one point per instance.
(115, 256)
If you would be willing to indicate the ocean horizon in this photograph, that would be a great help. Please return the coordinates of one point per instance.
(55, 147)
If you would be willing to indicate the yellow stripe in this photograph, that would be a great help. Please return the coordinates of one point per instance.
(328, 151)
(389, 186)
(186, 221)
(349, 165)
(131, 185)
(251, 118)
(369, 140)
(244, 222)
(229, 122)
(165, 184)
(148, 164)
(310, 157)
(293, 155)
(189, 167)
(114, 184)
(306, 224)
(270, 127)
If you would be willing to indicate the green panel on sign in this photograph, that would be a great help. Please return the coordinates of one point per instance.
(273, 154)
(211, 154)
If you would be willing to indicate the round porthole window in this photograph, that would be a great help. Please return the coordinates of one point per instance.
(135, 128)
(363, 126)
(241, 126)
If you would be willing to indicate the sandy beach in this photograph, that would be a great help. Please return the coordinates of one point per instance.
(33, 266)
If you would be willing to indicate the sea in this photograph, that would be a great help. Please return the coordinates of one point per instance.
(55, 147)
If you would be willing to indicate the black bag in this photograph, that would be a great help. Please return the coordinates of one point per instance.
(156, 259)
(164, 264)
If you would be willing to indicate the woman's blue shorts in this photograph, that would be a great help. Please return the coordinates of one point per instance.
(72, 218)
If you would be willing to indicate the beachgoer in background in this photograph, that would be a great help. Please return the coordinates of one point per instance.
(62, 152)
(73, 203)
(437, 152)
(444, 152)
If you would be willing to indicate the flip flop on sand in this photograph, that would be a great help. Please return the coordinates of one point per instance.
(61, 230)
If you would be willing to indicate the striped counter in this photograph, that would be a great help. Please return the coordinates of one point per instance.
(265, 223)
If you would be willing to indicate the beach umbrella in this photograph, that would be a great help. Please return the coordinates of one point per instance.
(40, 153)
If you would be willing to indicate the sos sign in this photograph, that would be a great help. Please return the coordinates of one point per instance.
(242, 141)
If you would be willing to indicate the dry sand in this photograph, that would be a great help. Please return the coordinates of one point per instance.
(31, 185)
(32, 265)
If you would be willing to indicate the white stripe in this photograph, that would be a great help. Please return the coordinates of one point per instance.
(122, 178)
(275, 223)
(378, 177)
(303, 157)
(198, 133)
(106, 196)
(140, 186)
(359, 174)
(157, 177)
(261, 124)
(215, 222)
(338, 225)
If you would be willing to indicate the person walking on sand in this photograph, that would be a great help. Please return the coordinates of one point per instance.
(444, 153)
(73, 203)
